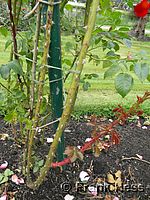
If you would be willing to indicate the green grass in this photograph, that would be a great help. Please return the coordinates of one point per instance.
(102, 102)
(101, 97)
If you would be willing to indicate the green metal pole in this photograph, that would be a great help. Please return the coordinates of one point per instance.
(55, 75)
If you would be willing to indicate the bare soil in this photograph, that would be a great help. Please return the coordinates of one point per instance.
(135, 171)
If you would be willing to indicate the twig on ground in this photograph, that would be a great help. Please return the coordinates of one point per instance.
(135, 158)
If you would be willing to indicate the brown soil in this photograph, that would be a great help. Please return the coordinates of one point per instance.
(135, 172)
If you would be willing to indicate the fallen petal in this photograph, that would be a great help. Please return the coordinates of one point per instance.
(139, 156)
(84, 176)
(88, 139)
(4, 165)
(69, 197)
(93, 190)
(3, 136)
(115, 198)
(21, 180)
(67, 131)
(39, 130)
(4, 197)
(16, 180)
(144, 127)
(49, 140)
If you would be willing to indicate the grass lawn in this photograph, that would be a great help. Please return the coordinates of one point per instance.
(101, 96)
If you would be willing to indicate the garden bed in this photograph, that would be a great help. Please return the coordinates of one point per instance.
(131, 157)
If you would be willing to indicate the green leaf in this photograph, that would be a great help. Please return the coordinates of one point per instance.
(69, 7)
(1, 176)
(107, 63)
(116, 47)
(8, 172)
(8, 43)
(130, 3)
(112, 55)
(127, 42)
(112, 71)
(141, 70)
(123, 83)
(40, 163)
(67, 61)
(35, 169)
(11, 116)
(105, 4)
(123, 29)
(113, 45)
(80, 155)
(110, 45)
(97, 40)
(16, 67)
(3, 31)
(4, 180)
(116, 15)
(95, 75)
(131, 67)
(90, 76)
(28, 123)
(5, 71)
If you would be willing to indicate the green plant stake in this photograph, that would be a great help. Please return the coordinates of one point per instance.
(55, 75)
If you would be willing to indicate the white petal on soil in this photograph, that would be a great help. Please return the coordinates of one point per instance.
(21, 180)
(3, 136)
(67, 131)
(144, 127)
(110, 120)
(93, 190)
(84, 176)
(39, 130)
(4, 165)
(69, 197)
(88, 139)
(4, 197)
(115, 198)
(50, 140)
(139, 156)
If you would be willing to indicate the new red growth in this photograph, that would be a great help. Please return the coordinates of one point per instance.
(122, 115)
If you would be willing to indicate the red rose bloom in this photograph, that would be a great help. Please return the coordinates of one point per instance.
(141, 9)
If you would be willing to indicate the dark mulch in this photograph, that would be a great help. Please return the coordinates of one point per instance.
(134, 140)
